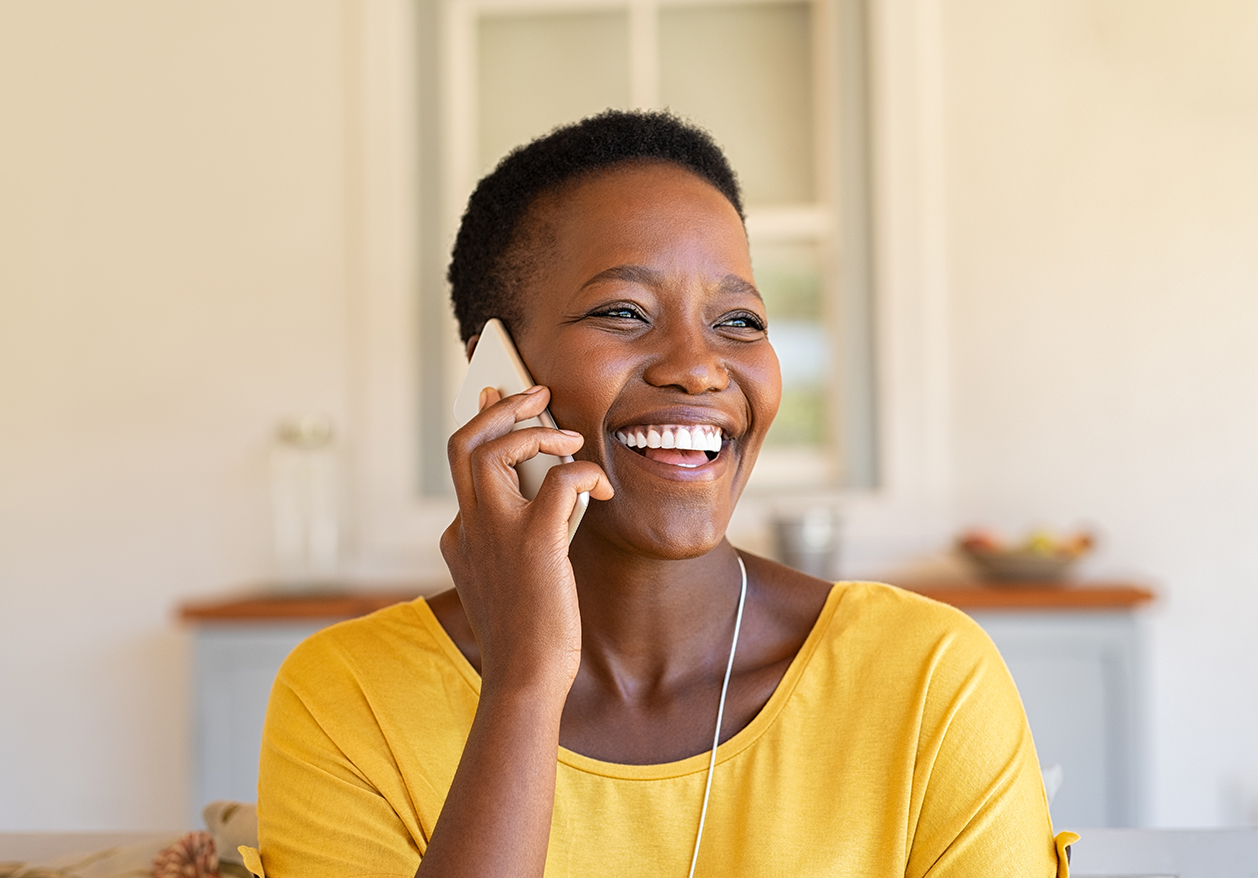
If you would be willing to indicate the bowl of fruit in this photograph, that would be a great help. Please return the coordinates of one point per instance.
(1041, 558)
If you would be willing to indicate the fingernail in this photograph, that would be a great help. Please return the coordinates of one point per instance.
(536, 388)
(570, 432)
(484, 398)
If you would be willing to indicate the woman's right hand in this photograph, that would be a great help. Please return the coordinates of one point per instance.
(508, 555)
(509, 560)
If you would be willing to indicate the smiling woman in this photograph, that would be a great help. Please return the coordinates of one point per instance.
(555, 713)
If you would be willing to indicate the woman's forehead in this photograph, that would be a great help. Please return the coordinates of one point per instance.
(633, 202)
(638, 182)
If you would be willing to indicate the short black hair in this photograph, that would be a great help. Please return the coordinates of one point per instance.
(486, 268)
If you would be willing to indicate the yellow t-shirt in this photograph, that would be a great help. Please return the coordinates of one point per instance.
(895, 745)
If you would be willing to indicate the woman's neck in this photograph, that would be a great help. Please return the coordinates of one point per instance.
(646, 622)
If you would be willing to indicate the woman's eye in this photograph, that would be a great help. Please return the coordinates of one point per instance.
(620, 312)
(743, 320)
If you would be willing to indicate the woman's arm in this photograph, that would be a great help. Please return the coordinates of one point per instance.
(509, 560)
(496, 818)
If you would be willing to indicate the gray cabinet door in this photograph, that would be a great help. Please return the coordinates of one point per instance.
(235, 665)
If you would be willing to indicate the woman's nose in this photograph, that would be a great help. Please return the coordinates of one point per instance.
(688, 360)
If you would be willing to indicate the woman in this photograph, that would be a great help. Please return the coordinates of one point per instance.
(864, 731)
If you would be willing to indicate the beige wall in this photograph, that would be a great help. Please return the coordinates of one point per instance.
(1102, 229)
(171, 283)
(174, 188)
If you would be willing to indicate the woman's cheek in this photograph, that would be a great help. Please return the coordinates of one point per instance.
(766, 383)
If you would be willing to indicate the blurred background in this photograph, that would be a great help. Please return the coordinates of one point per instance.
(1010, 253)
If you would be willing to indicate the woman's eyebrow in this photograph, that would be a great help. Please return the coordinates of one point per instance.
(732, 284)
(635, 274)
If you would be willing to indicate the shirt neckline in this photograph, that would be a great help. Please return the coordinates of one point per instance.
(728, 749)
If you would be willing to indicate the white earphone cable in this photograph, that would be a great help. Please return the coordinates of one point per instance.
(720, 715)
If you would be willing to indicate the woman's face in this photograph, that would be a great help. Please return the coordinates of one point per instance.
(643, 320)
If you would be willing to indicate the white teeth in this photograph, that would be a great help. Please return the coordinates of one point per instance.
(695, 438)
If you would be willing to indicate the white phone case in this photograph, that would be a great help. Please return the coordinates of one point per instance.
(496, 363)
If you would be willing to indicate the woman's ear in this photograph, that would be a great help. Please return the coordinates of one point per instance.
(471, 344)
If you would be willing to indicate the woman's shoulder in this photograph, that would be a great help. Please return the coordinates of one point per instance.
(874, 602)
(907, 662)
(402, 638)
(900, 630)
(860, 618)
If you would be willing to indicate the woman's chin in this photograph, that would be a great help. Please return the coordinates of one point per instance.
(664, 510)
(676, 534)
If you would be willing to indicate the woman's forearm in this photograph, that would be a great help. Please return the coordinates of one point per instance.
(526, 620)
(496, 817)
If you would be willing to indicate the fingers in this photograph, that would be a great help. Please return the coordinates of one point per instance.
(485, 452)
(488, 396)
(493, 462)
(564, 482)
(497, 417)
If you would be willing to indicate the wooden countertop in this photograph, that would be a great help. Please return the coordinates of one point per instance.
(1037, 595)
(273, 607)
(270, 606)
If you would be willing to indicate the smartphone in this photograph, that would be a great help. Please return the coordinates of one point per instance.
(496, 363)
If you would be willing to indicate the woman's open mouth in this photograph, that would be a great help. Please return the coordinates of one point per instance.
(678, 445)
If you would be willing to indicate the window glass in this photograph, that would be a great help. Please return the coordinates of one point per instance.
(744, 72)
(790, 276)
(536, 71)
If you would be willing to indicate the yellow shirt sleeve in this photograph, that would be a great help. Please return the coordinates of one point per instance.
(978, 805)
(330, 820)
(351, 708)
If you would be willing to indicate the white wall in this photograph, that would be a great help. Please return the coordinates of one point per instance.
(1102, 252)
(171, 284)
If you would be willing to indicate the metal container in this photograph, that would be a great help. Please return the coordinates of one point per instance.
(809, 541)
